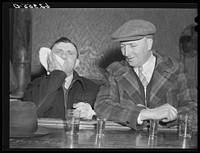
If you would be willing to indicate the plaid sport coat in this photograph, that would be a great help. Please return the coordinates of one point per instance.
(121, 99)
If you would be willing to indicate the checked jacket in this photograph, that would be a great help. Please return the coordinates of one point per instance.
(122, 98)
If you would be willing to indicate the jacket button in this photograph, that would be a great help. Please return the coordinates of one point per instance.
(127, 122)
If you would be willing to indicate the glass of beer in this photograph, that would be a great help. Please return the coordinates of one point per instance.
(72, 121)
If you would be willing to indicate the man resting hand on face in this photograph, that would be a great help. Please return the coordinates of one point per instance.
(62, 88)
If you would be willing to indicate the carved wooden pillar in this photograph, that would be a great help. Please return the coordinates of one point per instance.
(21, 53)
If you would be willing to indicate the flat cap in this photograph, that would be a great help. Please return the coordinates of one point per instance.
(134, 30)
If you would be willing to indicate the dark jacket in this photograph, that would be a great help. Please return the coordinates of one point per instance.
(119, 100)
(48, 94)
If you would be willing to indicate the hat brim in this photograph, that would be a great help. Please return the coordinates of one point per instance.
(128, 38)
(133, 38)
(41, 131)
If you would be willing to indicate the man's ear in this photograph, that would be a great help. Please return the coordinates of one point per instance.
(149, 43)
(77, 63)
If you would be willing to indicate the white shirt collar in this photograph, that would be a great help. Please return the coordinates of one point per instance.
(148, 67)
(68, 81)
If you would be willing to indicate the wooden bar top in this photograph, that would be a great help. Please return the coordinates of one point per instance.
(116, 136)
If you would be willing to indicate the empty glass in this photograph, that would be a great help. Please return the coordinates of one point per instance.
(72, 121)
(185, 125)
(101, 121)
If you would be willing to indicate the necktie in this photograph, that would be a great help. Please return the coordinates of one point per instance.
(65, 94)
(143, 79)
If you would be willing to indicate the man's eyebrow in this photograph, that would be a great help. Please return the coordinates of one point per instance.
(58, 49)
(68, 50)
(133, 43)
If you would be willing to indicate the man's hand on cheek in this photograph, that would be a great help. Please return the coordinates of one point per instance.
(53, 64)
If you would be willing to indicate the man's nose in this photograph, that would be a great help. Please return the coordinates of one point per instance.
(64, 55)
(127, 50)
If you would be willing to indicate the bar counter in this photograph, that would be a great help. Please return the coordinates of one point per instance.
(116, 136)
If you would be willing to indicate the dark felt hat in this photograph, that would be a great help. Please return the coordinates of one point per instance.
(134, 30)
(23, 120)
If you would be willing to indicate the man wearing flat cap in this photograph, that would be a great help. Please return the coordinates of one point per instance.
(146, 85)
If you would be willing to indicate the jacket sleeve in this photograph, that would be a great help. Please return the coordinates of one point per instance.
(187, 95)
(39, 90)
(90, 93)
(183, 94)
(95, 89)
(108, 105)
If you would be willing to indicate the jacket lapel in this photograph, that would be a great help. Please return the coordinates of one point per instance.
(126, 78)
(163, 78)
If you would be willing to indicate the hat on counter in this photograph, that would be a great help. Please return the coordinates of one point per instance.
(134, 30)
(23, 120)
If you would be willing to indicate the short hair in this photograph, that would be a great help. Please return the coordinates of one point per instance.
(65, 40)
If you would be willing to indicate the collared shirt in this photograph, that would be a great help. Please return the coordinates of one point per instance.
(68, 81)
(148, 69)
